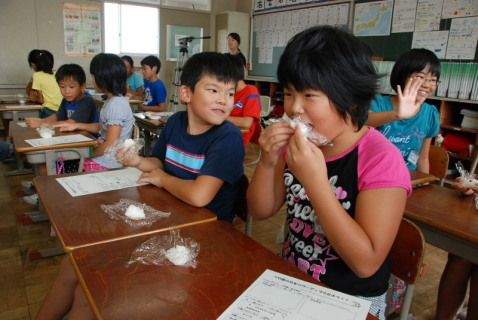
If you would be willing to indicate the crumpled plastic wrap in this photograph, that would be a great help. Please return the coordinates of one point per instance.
(124, 150)
(166, 250)
(117, 211)
(308, 133)
(46, 131)
(468, 180)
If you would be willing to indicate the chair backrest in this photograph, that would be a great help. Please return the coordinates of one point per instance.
(240, 206)
(265, 106)
(406, 255)
(439, 159)
(254, 141)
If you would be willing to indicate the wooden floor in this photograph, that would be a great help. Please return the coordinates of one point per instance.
(24, 283)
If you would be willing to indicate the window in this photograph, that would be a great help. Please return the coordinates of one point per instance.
(131, 29)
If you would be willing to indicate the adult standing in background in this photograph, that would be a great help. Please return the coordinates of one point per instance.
(233, 43)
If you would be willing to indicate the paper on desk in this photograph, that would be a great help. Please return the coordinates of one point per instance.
(277, 296)
(100, 181)
(22, 124)
(42, 142)
(23, 106)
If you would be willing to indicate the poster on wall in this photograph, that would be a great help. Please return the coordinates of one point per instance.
(373, 18)
(82, 29)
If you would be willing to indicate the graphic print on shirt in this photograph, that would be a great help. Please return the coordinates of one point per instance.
(184, 160)
(148, 98)
(307, 246)
(405, 141)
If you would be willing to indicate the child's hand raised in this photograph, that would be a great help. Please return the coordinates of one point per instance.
(154, 177)
(272, 141)
(408, 105)
(305, 159)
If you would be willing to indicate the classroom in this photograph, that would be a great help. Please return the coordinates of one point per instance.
(179, 219)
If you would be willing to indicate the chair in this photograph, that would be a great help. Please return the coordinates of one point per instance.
(265, 106)
(406, 259)
(240, 207)
(439, 159)
(255, 142)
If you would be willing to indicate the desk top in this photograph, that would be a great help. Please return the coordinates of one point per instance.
(445, 209)
(420, 177)
(227, 264)
(28, 106)
(20, 134)
(80, 221)
(156, 123)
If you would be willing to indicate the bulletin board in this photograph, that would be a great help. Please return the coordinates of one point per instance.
(174, 33)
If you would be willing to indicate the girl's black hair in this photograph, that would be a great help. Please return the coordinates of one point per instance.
(129, 59)
(213, 64)
(42, 59)
(335, 62)
(414, 60)
(109, 72)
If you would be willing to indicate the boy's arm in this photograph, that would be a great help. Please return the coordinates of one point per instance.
(198, 192)
(243, 123)
(72, 126)
(37, 122)
(159, 108)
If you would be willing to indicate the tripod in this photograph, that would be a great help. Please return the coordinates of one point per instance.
(182, 57)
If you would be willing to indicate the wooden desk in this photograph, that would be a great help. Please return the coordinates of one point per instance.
(80, 221)
(227, 264)
(420, 177)
(448, 219)
(10, 111)
(46, 154)
(149, 126)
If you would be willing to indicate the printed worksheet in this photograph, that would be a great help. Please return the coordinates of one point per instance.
(277, 296)
(100, 181)
(42, 142)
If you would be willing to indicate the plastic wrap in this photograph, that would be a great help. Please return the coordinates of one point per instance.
(308, 133)
(124, 150)
(118, 211)
(166, 250)
(468, 180)
(46, 131)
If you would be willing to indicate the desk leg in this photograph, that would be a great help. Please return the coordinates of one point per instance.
(147, 143)
(46, 253)
(20, 168)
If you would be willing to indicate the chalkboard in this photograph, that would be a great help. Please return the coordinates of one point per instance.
(265, 64)
(271, 31)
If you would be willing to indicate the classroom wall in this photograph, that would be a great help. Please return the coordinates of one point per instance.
(38, 24)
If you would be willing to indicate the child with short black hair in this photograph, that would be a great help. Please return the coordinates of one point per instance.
(198, 156)
(75, 106)
(154, 90)
(116, 117)
(346, 191)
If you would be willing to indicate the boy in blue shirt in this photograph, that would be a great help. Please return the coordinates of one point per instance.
(75, 106)
(154, 91)
(198, 156)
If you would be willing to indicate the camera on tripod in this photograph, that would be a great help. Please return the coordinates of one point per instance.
(184, 41)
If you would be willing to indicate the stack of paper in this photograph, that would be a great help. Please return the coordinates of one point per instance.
(470, 119)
